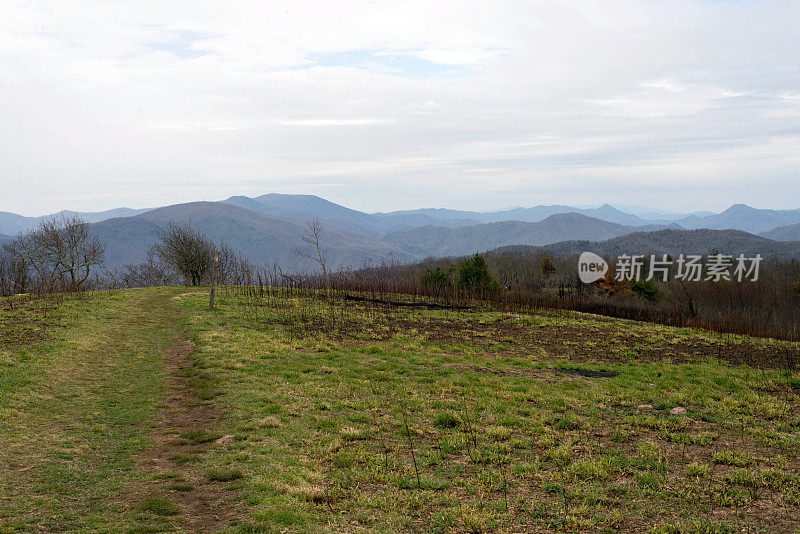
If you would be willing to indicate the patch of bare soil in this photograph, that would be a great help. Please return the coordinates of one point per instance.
(27, 322)
(184, 432)
(604, 340)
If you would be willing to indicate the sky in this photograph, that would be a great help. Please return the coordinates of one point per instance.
(675, 105)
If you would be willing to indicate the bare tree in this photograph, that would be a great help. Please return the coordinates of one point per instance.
(13, 273)
(228, 264)
(80, 250)
(6, 282)
(58, 248)
(40, 250)
(315, 252)
(187, 250)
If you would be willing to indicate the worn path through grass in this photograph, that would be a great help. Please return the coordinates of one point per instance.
(95, 417)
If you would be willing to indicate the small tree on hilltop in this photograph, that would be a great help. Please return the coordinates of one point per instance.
(474, 274)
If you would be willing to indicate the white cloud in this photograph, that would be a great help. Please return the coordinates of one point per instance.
(665, 85)
(398, 104)
(337, 122)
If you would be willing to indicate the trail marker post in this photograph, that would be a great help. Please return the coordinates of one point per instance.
(213, 280)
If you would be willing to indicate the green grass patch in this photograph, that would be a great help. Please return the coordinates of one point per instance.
(159, 506)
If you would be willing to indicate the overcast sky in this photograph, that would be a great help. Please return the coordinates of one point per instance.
(395, 105)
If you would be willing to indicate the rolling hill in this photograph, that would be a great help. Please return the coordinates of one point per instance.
(266, 229)
(606, 212)
(743, 217)
(790, 232)
(675, 242)
(12, 224)
(305, 207)
(265, 239)
(261, 238)
(439, 241)
(737, 217)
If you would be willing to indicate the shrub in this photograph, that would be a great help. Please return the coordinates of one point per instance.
(436, 278)
(646, 290)
(547, 266)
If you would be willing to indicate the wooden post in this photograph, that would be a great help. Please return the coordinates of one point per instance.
(213, 280)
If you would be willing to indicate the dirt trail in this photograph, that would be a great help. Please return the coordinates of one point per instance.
(184, 431)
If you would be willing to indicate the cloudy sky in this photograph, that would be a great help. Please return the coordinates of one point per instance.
(678, 105)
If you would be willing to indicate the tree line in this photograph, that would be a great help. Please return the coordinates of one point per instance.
(62, 254)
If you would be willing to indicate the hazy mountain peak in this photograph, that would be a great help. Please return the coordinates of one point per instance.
(573, 216)
(740, 208)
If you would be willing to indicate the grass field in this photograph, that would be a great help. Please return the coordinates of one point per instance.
(318, 417)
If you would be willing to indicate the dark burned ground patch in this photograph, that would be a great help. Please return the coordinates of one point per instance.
(565, 335)
(588, 373)
(179, 495)
(601, 341)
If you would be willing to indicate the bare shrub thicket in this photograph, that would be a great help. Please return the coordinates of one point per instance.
(151, 272)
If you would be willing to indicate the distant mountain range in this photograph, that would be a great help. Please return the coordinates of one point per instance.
(653, 214)
(261, 238)
(12, 224)
(303, 207)
(606, 212)
(439, 241)
(266, 229)
(743, 217)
